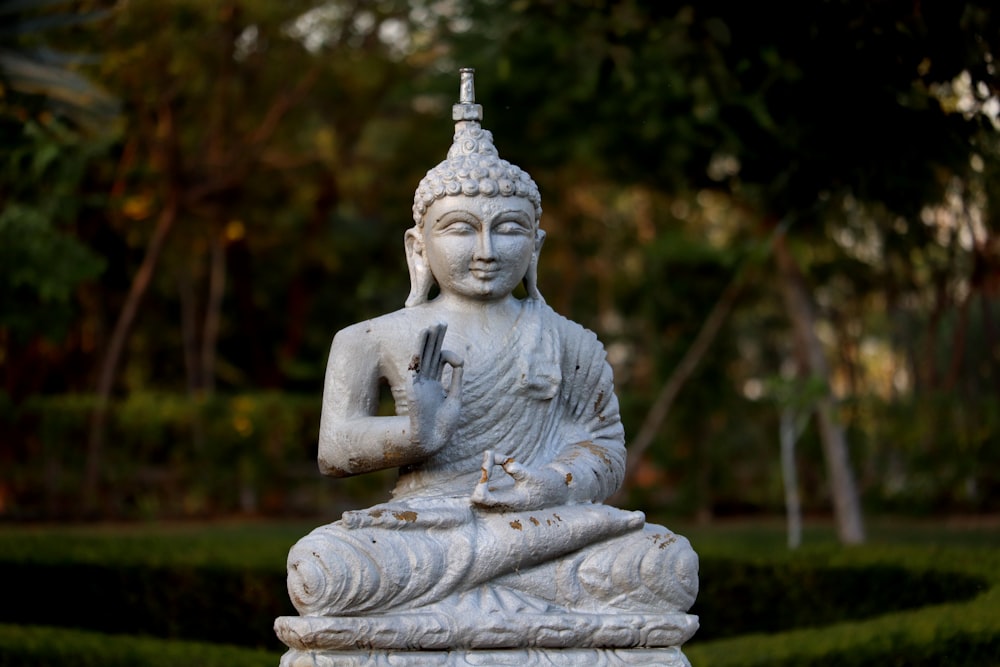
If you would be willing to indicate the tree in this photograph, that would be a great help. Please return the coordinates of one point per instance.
(228, 155)
(54, 122)
(790, 120)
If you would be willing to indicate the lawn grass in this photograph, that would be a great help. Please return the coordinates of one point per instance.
(767, 535)
(262, 544)
(234, 543)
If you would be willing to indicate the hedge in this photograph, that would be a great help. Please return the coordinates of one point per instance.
(960, 633)
(31, 646)
(860, 607)
(172, 456)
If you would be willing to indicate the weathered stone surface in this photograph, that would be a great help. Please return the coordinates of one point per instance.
(664, 657)
(429, 631)
(496, 545)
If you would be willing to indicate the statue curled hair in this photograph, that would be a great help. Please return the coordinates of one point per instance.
(473, 168)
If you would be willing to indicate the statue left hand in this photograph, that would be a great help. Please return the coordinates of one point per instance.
(533, 488)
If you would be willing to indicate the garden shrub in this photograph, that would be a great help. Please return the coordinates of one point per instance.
(948, 612)
(32, 646)
(859, 607)
(773, 597)
(176, 455)
(208, 603)
(172, 455)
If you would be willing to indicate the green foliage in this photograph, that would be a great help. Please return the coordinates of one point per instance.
(222, 605)
(179, 456)
(176, 455)
(923, 603)
(42, 269)
(27, 646)
(936, 633)
(938, 451)
(805, 592)
(34, 77)
(42, 261)
(670, 140)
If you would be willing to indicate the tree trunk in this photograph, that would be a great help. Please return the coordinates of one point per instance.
(213, 310)
(116, 346)
(189, 327)
(682, 372)
(789, 434)
(992, 353)
(847, 510)
(958, 345)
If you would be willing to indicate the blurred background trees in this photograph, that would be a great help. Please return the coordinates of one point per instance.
(763, 219)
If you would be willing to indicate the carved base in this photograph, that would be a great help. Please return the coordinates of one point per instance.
(442, 632)
(644, 657)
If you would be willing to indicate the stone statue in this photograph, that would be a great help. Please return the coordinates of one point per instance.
(495, 547)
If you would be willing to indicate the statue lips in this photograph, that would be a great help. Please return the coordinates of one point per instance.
(485, 271)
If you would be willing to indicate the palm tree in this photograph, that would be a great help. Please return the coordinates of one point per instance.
(36, 79)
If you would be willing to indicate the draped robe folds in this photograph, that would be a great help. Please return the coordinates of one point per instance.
(542, 394)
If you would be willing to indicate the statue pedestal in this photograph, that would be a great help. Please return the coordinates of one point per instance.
(460, 640)
(536, 657)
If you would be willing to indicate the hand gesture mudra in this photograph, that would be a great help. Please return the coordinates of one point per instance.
(433, 411)
(528, 487)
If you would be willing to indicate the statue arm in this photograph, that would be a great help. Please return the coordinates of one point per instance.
(352, 438)
(592, 458)
(594, 467)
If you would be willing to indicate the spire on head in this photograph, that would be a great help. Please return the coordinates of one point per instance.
(473, 166)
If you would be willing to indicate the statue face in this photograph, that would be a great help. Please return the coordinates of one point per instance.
(479, 247)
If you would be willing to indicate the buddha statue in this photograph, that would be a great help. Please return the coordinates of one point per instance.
(496, 547)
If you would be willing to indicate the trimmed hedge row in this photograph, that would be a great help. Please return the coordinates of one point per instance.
(237, 606)
(779, 596)
(199, 603)
(31, 646)
(962, 633)
(920, 605)
(172, 456)
(214, 582)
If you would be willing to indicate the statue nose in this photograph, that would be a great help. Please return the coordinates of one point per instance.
(484, 245)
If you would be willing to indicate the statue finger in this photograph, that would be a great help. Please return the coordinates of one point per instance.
(515, 470)
(481, 495)
(487, 467)
(452, 359)
(457, 371)
(418, 364)
(435, 341)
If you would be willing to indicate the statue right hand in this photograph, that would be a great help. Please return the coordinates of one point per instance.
(433, 412)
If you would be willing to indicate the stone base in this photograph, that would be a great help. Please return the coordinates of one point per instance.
(424, 631)
(540, 657)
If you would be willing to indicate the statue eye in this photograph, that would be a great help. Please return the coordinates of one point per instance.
(457, 227)
(511, 227)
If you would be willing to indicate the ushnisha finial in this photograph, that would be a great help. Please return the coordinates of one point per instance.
(467, 109)
(473, 166)
(467, 89)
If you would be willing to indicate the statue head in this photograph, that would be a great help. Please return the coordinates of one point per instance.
(473, 170)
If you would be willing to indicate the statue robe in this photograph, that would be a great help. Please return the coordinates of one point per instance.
(542, 394)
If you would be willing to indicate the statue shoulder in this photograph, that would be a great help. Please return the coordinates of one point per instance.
(570, 331)
(385, 332)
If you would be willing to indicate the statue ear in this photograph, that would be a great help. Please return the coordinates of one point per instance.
(421, 278)
(531, 277)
